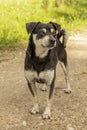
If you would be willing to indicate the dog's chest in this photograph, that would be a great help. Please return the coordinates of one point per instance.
(46, 75)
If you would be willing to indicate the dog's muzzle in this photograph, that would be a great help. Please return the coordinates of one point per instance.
(52, 42)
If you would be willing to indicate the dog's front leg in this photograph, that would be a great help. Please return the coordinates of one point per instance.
(47, 112)
(33, 91)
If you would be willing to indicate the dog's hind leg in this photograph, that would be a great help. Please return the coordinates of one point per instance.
(32, 88)
(65, 70)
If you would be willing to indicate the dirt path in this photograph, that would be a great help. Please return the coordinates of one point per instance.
(69, 112)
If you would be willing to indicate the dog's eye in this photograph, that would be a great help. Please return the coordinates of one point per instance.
(40, 34)
(53, 33)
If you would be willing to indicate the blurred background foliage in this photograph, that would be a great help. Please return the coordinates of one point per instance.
(14, 14)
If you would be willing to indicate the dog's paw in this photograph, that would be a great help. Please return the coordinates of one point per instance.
(35, 109)
(68, 91)
(44, 88)
(47, 114)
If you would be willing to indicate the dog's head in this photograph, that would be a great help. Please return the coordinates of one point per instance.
(43, 34)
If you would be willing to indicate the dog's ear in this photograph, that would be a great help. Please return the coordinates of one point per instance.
(31, 26)
(56, 26)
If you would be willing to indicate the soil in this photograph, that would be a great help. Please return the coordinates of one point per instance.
(69, 111)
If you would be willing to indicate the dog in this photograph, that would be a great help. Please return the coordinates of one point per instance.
(44, 51)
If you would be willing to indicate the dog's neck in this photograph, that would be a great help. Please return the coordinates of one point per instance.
(37, 51)
(40, 51)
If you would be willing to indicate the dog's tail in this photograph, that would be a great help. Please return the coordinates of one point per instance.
(63, 33)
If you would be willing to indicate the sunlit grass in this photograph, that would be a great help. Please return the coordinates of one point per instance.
(15, 14)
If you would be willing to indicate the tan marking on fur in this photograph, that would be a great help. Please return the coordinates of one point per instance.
(52, 30)
(44, 30)
(47, 75)
(39, 43)
(30, 75)
(47, 113)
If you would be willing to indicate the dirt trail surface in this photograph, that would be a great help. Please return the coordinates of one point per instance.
(69, 112)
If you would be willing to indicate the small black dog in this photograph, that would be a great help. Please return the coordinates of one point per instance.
(44, 51)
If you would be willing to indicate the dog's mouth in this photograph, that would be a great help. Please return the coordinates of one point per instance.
(50, 45)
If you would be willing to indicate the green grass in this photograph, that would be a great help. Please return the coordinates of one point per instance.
(15, 14)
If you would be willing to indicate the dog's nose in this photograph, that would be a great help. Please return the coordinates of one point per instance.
(52, 41)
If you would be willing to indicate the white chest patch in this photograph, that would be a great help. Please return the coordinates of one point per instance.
(46, 75)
